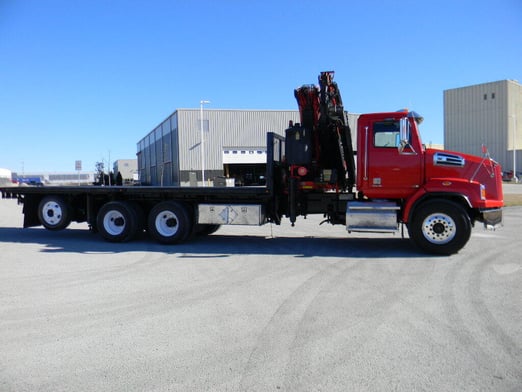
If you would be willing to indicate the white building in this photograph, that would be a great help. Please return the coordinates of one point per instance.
(56, 178)
(487, 114)
(128, 168)
(5, 177)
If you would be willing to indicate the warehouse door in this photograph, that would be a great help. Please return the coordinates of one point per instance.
(247, 166)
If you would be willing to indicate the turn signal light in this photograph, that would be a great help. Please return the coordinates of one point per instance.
(482, 192)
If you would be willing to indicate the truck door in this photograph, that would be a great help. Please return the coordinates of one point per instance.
(393, 164)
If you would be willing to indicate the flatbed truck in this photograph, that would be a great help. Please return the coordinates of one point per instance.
(390, 180)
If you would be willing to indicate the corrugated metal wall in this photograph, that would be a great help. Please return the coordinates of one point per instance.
(225, 128)
(484, 114)
(173, 148)
(158, 160)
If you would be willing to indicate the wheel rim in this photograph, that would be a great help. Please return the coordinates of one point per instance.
(114, 222)
(166, 223)
(52, 213)
(439, 228)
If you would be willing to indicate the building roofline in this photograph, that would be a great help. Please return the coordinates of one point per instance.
(236, 110)
(487, 83)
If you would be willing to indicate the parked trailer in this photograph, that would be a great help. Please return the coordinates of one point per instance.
(438, 195)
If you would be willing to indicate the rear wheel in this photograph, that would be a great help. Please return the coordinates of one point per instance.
(440, 227)
(170, 222)
(53, 213)
(117, 221)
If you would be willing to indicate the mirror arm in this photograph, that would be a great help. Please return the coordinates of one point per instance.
(404, 144)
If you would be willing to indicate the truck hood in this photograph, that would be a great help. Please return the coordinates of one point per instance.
(450, 167)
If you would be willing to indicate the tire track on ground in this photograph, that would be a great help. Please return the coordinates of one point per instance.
(366, 296)
(458, 296)
(277, 360)
(265, 367)
(504, 344)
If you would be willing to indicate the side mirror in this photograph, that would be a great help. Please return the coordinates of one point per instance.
(404, 125)
(404, 136)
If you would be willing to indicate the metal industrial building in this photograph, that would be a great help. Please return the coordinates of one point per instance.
(233, 149)
(487, 114)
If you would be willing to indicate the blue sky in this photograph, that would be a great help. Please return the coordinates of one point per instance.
(82, 79)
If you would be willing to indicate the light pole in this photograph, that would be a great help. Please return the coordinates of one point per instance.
(201, 103)
(109, 167)
(515, 178)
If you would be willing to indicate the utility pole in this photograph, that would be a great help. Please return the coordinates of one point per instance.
(515, 178)
(201, 103)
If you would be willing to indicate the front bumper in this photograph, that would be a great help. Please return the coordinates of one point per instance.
(492, 219)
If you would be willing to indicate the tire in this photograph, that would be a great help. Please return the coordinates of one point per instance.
(440, 226)
(117, 221)
(54, 213)
(170, 222)
(206, 229)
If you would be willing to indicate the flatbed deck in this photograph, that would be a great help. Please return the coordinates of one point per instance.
(258, 192)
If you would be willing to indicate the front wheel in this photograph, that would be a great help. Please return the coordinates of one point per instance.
(54, 213)
(440, 226)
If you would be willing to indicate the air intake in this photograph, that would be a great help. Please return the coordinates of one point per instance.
(445, 159)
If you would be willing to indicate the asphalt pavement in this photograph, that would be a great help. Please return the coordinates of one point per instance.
(270, 308)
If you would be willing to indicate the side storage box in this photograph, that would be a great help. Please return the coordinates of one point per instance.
(231, 214)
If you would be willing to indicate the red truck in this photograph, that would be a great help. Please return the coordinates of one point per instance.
(391, 180)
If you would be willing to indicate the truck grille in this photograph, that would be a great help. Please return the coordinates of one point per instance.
(445, 159)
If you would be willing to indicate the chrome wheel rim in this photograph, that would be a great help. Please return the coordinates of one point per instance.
(439, 228)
